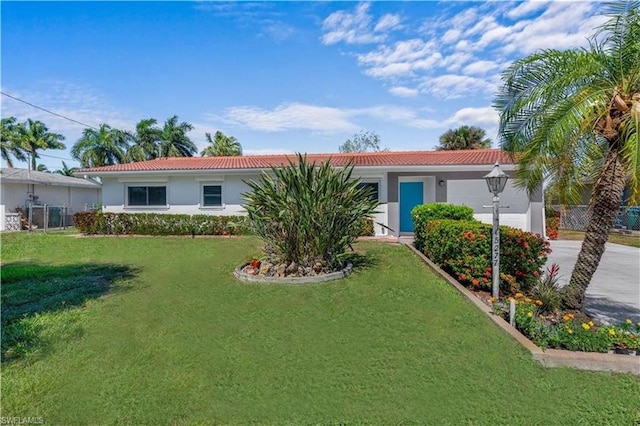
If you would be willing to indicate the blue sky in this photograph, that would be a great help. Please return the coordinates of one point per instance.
(279, 76)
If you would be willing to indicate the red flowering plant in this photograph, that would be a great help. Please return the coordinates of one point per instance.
(463, 248)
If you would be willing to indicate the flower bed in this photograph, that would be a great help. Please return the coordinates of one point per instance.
(573, 331)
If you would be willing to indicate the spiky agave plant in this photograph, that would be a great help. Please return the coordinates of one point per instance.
(307, 213)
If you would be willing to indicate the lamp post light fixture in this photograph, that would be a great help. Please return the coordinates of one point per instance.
(496, 181)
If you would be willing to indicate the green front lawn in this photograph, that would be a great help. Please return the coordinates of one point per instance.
(165, 335)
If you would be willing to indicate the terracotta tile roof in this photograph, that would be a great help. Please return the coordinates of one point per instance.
(398, 158)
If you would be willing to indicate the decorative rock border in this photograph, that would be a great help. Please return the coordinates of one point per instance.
(317, 279)
(593, 361)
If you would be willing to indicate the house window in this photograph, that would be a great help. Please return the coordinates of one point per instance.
(211, 195)
(375, 189)
(147, 195)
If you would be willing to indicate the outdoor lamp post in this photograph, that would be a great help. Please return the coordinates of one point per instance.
(496, 181)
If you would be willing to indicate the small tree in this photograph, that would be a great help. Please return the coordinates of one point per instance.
(308, 213)
(362, 142)
(464, 137)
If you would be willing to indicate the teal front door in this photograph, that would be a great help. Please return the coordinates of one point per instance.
(411, 195)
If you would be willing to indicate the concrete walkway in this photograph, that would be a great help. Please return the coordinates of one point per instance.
(614, 292)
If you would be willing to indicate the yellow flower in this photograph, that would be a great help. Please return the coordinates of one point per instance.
(612, 332)
(586, 326)
(492, 299)
(527, 300)
(530, 314)
(591, 323)
(628, 321)
(569, 330)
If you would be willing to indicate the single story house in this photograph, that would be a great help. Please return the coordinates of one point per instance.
(402, 180)
(20, 188)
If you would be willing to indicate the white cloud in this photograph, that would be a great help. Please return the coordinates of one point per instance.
(480, 67)
(562, 25)
(485, 116)
(525, 8)
(350, 27)
(80, 103)
(356, 27)
(292, 116)
(299, 116)
(401, 59)
(451, 86)
(404, 92)
(451, 36)
(388, 22)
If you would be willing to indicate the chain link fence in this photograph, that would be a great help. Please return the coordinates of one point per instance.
(43, 217)
(577, 217)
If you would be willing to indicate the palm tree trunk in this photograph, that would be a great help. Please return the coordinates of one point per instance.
(607, 196)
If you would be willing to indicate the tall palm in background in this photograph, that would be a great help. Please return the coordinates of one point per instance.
(33, 136)
(174, 141)
(146, 141)
(464, 137)
(65, 170)
(574, 116)
(10, 142)
(102, 147)
(221, 146)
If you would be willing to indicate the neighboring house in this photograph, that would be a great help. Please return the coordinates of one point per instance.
(214, 185)
(20, 187)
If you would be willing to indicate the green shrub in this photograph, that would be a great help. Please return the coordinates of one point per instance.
(158, 224)
(463, 248)
(308, 213)
(424, 213)
(365, 228)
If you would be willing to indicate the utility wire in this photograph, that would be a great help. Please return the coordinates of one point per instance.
(50, 112)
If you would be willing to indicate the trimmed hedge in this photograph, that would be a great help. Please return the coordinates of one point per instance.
(159, 224)
(424, 213)
(170, 224)
(463, 248)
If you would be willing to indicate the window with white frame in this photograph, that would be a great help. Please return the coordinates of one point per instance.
(142, 195)
(212, 195)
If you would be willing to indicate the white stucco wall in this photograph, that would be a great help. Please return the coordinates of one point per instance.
(16, 195)
(184, 194)
(474, 193)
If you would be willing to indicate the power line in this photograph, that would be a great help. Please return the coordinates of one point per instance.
(48, 111)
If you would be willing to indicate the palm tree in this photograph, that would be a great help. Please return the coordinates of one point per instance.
(33, 135)
(221, 146)
(102, 147)
(464, 137)
(572, 116)
(42, 168)
(146, 141)
(174, 141)
(10, 141)
(66, 170)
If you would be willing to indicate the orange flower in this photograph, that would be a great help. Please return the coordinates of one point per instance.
(519, 295)
(539, 302)
(492, 299)
(475, 282)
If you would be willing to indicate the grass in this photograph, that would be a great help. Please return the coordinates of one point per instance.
(614, 237)
(174, 339)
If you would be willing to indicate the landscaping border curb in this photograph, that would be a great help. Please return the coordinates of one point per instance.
(318, 279)
(593, 361)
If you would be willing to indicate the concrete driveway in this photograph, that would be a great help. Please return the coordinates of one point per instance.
(614, 292)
